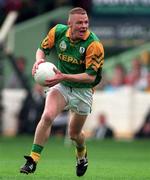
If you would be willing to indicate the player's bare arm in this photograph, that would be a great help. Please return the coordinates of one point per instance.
(40, 58)
(83, 77)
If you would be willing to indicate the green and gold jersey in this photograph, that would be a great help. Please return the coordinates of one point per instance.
(86, 55)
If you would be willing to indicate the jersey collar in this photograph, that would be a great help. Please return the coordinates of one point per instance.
(84, 38)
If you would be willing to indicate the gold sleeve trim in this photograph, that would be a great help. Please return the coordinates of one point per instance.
(95, 55)
(49, 40)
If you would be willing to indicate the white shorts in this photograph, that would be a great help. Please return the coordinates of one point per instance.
(78, 100)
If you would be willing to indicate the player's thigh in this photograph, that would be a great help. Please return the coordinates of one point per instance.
(76, 123)
(55, 103)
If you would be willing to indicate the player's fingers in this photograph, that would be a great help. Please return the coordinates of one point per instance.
(55, 70)
(33, 71)
(50, 82)
(35, 66)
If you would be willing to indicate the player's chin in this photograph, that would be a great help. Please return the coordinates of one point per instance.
(79, 37)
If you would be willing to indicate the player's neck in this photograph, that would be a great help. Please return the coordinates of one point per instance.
(73, 39)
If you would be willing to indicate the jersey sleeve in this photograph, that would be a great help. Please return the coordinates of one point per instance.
(48, 41)
(94, 57)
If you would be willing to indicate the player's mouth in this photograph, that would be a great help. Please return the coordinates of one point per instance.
(82, 32)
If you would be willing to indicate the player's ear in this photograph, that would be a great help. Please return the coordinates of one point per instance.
(69, 23)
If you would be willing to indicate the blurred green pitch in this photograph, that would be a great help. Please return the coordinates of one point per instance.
(108, 160)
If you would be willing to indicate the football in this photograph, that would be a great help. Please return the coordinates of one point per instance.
(44, 71)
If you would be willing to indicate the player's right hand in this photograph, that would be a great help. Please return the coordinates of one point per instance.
(36, 64)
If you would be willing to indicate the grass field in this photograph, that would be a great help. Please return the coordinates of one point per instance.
(108, 160)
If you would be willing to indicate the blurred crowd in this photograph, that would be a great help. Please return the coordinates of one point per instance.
(137, 76)
(31, 8)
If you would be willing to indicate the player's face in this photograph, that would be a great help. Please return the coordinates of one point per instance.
(79, 24)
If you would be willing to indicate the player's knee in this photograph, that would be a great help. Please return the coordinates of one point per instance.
(47, 118)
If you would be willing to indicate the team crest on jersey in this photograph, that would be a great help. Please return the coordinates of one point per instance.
(82, 50)
(62, 46)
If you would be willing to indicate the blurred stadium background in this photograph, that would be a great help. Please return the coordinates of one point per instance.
(122, 97)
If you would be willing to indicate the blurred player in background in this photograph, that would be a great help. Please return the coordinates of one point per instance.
(80, 60)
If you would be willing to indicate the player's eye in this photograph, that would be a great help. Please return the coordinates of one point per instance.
(79, 22)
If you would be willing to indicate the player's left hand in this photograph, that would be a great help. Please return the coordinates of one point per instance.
(54, 80)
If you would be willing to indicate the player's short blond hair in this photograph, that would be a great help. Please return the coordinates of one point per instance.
(77, 10)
